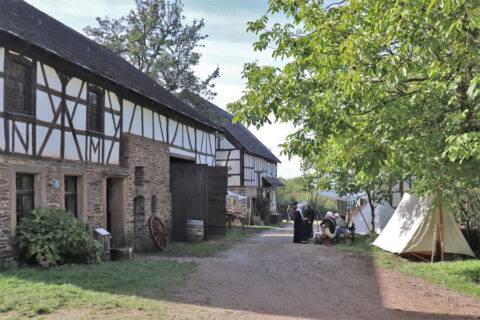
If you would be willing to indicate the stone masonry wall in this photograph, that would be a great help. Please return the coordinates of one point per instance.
(154, 160)
(47, 194)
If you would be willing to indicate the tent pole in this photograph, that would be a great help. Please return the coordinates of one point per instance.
(440, 212)
(361, 213)
(434, 247)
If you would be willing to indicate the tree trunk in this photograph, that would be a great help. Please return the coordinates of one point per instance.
(372, 209)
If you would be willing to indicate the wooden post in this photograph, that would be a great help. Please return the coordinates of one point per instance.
(360, 210)
(440, 212)
(434, 245)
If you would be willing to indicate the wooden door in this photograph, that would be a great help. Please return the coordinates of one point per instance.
(188, 185)
(217, 200)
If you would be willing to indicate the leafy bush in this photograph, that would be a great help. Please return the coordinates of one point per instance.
(54, 236)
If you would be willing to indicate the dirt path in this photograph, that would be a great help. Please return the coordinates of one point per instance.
(269, 277)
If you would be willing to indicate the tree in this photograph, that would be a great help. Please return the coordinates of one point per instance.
(154, 38)
(373, 86)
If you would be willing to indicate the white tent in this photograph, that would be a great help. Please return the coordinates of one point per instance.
(416, 225)
(383, 213)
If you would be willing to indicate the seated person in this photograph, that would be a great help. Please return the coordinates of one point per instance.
(328, 228)
(341, 226)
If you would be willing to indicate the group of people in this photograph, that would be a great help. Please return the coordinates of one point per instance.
(303, 217)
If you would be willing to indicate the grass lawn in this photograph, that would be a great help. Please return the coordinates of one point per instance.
(459, 275)
(137, 285)
(213, 245)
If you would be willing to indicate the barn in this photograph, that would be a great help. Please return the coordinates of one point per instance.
(82, 129)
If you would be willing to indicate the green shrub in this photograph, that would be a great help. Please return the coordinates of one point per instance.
(54, 236)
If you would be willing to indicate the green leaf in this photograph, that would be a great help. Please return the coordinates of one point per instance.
(430, 6)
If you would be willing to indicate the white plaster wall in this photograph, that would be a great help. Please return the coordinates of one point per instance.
(157, 130)
(2, 69)
(75, 87)
(234, 167)
(52, 78)
(225, 144)
(71, 152)
(233, 181)
(24, 131)
(111, 100)
(44, 109)
(174, 151)
(147, 123)
(52, 148)
(96, 155)
(178, 138)
(137, 122)
(115, 156)
(109, 128)
(2, 59)
(163, 122)
(191, 133)
(2, 136)
(127, 114)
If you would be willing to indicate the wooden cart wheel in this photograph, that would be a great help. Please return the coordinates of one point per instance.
(159, 232)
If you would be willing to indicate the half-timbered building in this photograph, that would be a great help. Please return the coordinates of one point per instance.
(252, 167)
(82, 129)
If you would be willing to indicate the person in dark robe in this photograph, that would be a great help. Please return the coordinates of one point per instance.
(309, 214)
(298, 225)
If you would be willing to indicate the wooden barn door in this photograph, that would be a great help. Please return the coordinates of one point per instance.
(217, 200)
(188, 185)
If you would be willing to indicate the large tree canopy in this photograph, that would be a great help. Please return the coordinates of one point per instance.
(155, 39)
(373, 85)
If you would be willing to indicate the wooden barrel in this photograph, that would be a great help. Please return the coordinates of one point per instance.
(194, 230)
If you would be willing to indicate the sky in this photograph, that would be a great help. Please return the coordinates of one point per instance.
(228, 46)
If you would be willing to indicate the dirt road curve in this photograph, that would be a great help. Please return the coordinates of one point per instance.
(269, 277)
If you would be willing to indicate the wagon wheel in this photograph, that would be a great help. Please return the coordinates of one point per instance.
(159, 232)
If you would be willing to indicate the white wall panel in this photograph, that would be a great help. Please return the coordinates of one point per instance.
(172, 126)
(52, 78)
(147, 123)
(2, 135)
(163, 122)
(1, 95)
(200, 140)
(80, 116)
(44, 110)
(115, 155)
(137, 121)
(71, 151)
(225, 144)
(24, 132)
(191, 134)
(73, 88)
(52, 149)
(40, 79)
(96, 154)
(111, 99)
(109, 124)
(157, 129)
(178, 138)
(2, 59)
(233, 181)
(127, 114)
(212, 148)
(175, 151)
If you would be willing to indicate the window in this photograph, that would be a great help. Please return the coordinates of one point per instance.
(25, 195)
(95, 110)
(19, 86)
(71, 194)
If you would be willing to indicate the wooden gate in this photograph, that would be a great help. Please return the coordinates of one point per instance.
(217, 201)
(188, 185)
(198, 193)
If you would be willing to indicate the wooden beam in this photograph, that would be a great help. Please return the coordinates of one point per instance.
(440, 213)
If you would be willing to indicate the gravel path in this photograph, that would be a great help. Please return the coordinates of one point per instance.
(269, 277)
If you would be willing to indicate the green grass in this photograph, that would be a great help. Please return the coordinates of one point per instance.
(459, 275)
(130, 284)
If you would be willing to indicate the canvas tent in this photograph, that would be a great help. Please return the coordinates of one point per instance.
(417, 224)
(383, 213)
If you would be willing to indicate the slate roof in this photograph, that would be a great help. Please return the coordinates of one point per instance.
(23, 21)
(238, 131)
(273, 182)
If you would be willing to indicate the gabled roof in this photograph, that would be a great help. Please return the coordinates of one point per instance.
(21, 20)
(236, 130)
